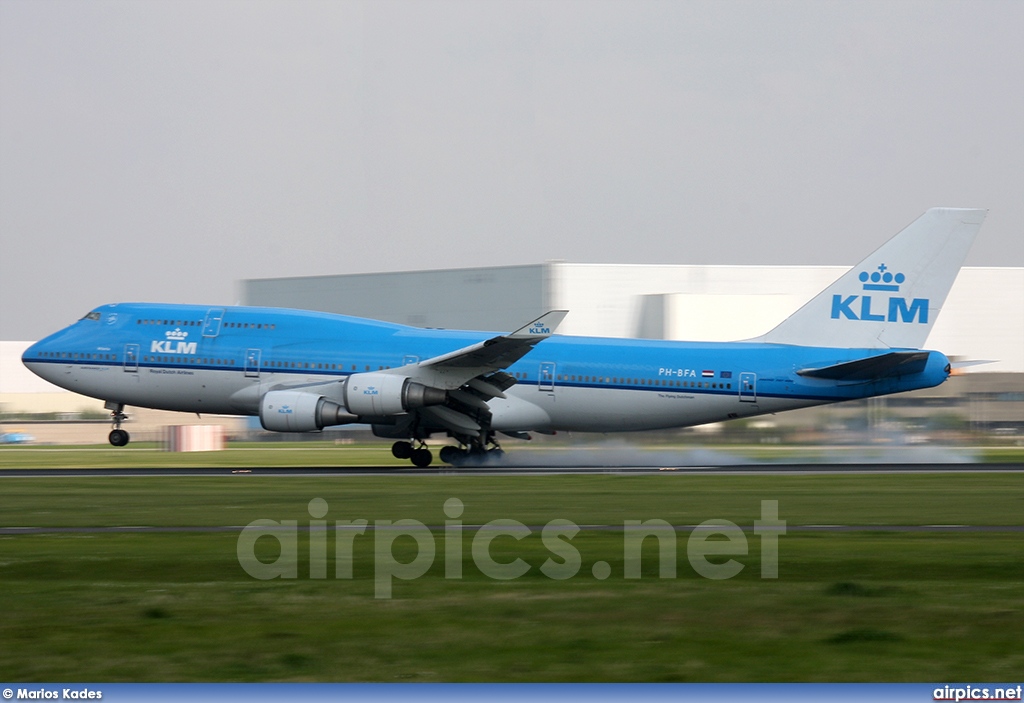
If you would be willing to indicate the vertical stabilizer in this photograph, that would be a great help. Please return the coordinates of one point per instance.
(891, 298)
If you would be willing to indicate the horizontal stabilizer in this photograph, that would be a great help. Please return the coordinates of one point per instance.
(967, 363)
(875, 367)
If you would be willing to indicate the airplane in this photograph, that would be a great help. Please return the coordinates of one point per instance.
(302, 371)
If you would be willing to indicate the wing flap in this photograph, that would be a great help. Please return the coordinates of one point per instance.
(452, 419)
(488, 389)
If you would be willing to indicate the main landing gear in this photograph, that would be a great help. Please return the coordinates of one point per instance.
(473, 451)
(420, 456)
(470, 456)
(117, 437)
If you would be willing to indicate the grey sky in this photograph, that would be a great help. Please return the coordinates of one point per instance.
(162, 151)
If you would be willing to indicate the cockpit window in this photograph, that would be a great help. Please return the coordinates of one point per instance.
(95, 316)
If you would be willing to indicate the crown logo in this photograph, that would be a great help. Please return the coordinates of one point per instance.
(882, 279)
(176, 334)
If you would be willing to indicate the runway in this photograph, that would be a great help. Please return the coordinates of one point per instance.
(508, 470)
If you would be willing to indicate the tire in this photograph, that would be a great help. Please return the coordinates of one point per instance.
(401, 450)
(450, 454)
(421, 458)
(118, 438)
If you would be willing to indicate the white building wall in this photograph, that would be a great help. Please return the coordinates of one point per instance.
(983, 317)
(705, 303)
(14, 377)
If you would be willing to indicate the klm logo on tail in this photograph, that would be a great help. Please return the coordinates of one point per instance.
(878, 308)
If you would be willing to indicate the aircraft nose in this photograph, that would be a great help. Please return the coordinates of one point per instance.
(32, 352)
(36, 358)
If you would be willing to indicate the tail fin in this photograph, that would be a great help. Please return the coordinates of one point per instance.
(890, 299)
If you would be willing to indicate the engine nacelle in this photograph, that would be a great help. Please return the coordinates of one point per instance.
(382, 394)
(296, 411)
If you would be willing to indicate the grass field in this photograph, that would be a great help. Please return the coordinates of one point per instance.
(869, 605)
(312, 454)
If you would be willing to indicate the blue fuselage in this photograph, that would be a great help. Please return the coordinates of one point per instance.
(223, 360)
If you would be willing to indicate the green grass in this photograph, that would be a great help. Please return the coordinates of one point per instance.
(847, 606)
(162, 607)
(149, 455)
(679, 498)
(308, 454)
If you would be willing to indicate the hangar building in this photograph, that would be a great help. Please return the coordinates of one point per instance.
(983, 317)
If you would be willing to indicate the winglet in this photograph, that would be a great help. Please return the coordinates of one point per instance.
(543, 326)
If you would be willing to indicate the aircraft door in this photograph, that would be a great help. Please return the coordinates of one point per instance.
(252, 363)
(546, 377)
(211, 326)
(748, 387)
(131, 358)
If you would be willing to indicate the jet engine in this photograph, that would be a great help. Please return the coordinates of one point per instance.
(381, 394)
(296, 411)
(365, 395)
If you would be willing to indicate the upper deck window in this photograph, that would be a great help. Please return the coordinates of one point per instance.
(94, 316)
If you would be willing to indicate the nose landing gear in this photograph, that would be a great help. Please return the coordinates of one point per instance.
(117, 436)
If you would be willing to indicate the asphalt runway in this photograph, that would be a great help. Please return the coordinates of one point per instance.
(508, 470)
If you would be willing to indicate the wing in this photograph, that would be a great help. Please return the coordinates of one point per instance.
(499, 352)
(475, 374)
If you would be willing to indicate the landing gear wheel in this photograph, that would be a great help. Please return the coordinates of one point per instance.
(450, 454)
(476, 451)
(421, 458)
(117, 436)
(401, 450)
